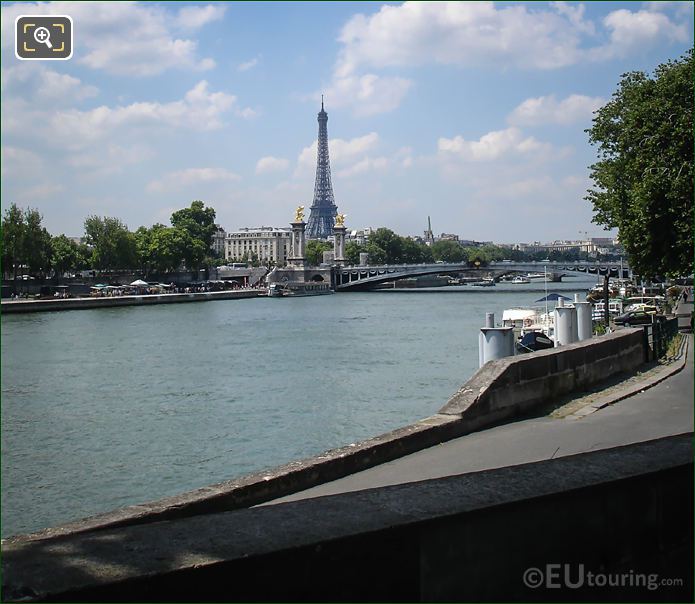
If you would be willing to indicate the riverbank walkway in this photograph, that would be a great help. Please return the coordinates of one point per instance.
(649, 405)
(57, 304)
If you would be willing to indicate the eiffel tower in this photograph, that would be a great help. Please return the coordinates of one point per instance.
(323, 208)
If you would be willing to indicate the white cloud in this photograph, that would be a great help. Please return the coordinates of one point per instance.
(343, 153)
(40, 191)
(247, 113)
(111, 159)
(681, 7)
(200, 109)
(458, 33)
(548, 110)
(191, 176)
(364, 165)
(271, 164)
(367, 94)
(41, 84)
(575, 15)
(126, 38)
(633, 31)
(18, 162)
(194, 17)
(476, 34)
(246, 65)
(491, 146)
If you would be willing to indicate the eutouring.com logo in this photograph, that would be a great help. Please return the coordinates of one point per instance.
(575, 576)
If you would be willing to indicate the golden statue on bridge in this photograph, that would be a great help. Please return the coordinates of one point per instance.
(299, 214)
(340, 220)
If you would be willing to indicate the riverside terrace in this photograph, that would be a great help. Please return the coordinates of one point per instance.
(625, 509)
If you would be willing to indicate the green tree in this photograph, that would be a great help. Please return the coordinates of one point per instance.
(25, 243)
(12, 240)
(448, 251)
(65, 255)
(385, 247)
(198, 220)
(353, 251)
(314, 251)
(643, 179)
(168, 248)
(37, 243)
(492, 252)
(414, 252)
(113, 245)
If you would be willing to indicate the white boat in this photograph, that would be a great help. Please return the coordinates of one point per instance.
(521, 279)
(615, 308)
(524, 320)
(296, 289)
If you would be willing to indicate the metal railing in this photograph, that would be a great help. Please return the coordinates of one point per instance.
(657, 337)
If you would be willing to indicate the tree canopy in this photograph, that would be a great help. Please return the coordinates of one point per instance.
(25, 243)
(314, 251)
(113, 245)
(643, 179)
(199, 222)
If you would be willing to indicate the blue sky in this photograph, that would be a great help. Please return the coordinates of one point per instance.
(470, 112)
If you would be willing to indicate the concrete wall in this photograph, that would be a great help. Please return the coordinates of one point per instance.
(627, 510)
(509, 387)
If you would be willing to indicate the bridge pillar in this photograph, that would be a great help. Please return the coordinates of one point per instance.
(298, 244)
(339, 244)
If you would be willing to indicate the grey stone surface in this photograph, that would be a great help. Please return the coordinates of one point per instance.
(125, 559)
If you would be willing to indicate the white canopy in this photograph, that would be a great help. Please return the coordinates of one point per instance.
(140, 283)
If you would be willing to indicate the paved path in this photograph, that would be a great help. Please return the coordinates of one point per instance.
(662, 410)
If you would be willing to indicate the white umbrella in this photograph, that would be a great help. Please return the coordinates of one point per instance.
(140, 283)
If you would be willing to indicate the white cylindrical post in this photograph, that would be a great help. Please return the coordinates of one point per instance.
(481, 348)
(494, 342)
(565, 325)
(584, 325)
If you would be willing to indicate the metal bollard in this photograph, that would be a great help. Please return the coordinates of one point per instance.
(494, 342)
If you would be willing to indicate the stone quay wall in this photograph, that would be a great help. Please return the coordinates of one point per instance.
(25, 306)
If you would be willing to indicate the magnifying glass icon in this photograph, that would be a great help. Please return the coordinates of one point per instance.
(43, 36)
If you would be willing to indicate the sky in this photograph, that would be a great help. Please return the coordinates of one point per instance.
(472, 113)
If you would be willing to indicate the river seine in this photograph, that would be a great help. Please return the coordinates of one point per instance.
(110, 407)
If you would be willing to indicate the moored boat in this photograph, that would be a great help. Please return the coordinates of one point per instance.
(296, 289)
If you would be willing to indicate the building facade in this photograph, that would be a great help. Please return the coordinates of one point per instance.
(264, 244)
(218, 241)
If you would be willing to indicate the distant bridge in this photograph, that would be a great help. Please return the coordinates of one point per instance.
(363, 277)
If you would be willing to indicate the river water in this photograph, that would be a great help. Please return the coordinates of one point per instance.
(110, 407)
